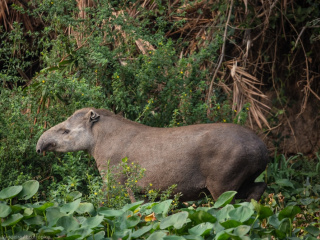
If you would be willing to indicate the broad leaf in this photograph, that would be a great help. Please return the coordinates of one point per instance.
(80, 232)
(50, 231)
(157, 235)
(74, 195)
(12, 220)
(53, 214)
(202, 216)
(37, 220)
(97, 236)
(5, 210)
(29, 189)
(23, 235)
(132, 206)
(174, 237)
(69, 223)
(141, 231)
(284, 183)
(10, 192)
(241, 214)
(241, 230)
(92, 221)
(162, 208)
(176, 220)
(110, 212)
(70, 207)
(42, 207)
(313, 230)
(263, 212)
(230, 224)
(85, 208)
(289, 212)
(224, 199)
(201, 229)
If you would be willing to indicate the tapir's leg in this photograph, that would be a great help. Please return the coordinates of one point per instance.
(251, 190)
(216, 188)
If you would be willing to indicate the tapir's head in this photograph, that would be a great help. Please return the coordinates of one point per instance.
(72, 135)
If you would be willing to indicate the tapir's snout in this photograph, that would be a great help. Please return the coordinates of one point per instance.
(43, 145)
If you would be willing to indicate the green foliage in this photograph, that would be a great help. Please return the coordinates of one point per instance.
(77, 219)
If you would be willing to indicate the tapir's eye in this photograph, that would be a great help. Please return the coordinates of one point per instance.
(66, 131)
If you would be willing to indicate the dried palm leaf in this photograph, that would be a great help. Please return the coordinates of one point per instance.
(245, 91)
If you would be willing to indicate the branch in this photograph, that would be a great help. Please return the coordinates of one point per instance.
(221, 56)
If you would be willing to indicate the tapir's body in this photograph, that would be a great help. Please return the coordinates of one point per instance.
(217, 157)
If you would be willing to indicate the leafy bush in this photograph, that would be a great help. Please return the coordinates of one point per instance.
(81, 220)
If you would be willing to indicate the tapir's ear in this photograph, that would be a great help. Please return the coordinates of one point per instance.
(94, 117)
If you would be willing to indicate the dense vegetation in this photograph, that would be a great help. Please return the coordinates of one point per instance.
(164, 64)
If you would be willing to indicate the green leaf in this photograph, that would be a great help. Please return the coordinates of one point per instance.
(12, 220)
(313, 230)
(27, 211)
(92, 222)
(132, 206)
(5, 210)
(176, 220)
(173, 237)
(42, 207)
(17, 208)
(70, 207)
(157, 235)
(74, 195)
(201, 229)
(191, 237)
(202, 216)
(284, 183)
(29, 189)
(10, 192)
(285, 226)
(162, 207)
(289, 212)
(263, 211)
(241, 214)
(141, 231)
(223, 213)
(224, 199)
(37, 220)
(97, 236)
(110, 212)
(23, 235)
(53, 214)
(69, 223)
(241, 230)
(223, 235)
(50, 231)
(85, 208)
(132, 221)
(230, 224)
(274, 221)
